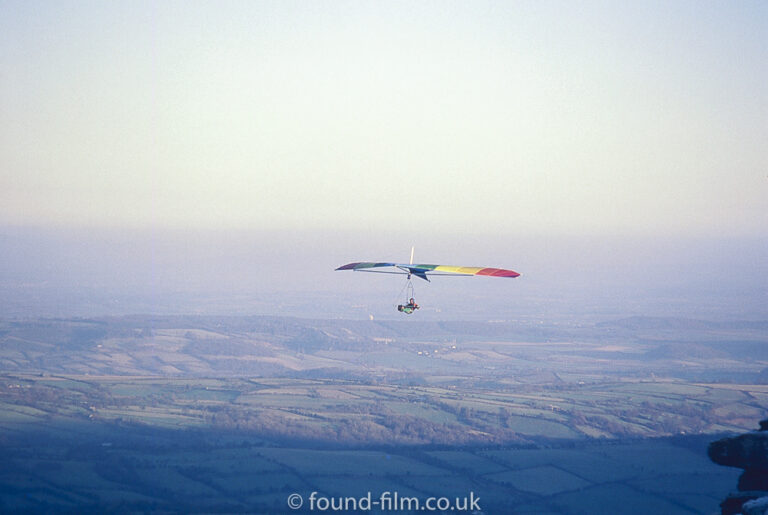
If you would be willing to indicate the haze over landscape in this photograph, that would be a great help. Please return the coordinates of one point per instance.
(179, 180)
(177, 147)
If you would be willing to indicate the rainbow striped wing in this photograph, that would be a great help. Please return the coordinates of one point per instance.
(466, 270)
(364, 266)
(422, 270)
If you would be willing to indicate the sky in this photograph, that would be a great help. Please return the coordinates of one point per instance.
(454, 117)
(201, 151)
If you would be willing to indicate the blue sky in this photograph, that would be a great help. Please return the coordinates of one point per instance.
(500, 117)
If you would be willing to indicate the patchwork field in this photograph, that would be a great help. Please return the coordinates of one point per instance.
(60, 466)
(200, 414)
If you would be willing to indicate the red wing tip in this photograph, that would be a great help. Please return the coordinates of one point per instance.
(498, 272)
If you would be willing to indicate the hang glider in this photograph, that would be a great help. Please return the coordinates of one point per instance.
(422, 271)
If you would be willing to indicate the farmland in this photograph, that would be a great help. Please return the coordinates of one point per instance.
(236, 413)
(61, 465)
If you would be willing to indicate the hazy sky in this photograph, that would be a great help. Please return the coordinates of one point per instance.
(510, 117)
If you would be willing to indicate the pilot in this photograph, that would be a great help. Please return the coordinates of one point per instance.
(408, 308)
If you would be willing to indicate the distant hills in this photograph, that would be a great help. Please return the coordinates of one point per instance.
(683, 324)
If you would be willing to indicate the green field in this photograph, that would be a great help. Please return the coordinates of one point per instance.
(125, 467)
(233, 414)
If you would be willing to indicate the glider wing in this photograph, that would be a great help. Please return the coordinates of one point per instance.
(364, 266)
(466, 270)
(422, 270)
